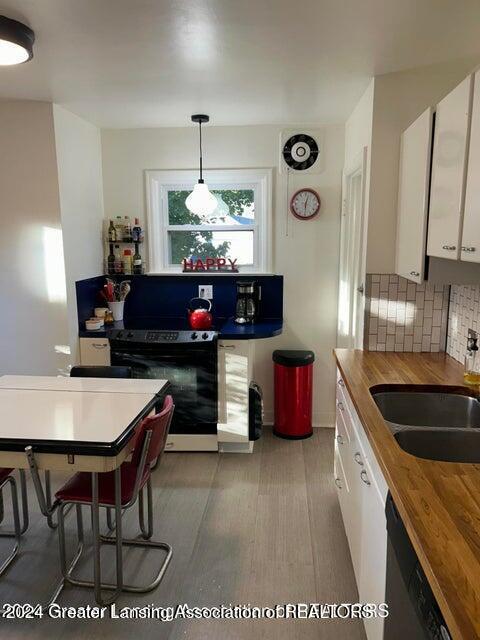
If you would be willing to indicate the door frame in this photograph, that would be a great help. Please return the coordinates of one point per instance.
(353, 256)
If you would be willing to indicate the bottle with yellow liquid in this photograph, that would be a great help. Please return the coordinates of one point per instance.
(472, 360)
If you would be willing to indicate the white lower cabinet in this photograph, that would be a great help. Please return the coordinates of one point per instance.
(362, 492)
(235, 364)
(94, 351)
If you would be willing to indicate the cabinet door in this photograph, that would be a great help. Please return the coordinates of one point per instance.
(447, 196)
(371, 587)
(234, 374)
(471, 221)
(94, 351)
(415, 157)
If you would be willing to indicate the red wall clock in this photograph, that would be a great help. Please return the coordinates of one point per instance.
(305, 204)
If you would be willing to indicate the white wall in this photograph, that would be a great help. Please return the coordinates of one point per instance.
(32, 287)
(307, 257)
(358, 128)
(78, 150)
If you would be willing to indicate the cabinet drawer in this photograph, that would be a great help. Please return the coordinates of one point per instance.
(342, 430)
(94, 351)
(339, 473)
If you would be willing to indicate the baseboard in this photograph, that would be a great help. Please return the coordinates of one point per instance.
(323, 420)
(327, 425)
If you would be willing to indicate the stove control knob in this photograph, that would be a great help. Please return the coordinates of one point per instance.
(194, 336)
(129, 334)
(120, 335)
(204, 336)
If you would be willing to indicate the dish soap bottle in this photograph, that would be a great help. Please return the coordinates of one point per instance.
(472, 360)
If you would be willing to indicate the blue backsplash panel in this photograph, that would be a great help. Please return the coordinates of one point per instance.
(168, 296)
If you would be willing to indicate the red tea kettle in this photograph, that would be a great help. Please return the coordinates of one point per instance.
(200, 317)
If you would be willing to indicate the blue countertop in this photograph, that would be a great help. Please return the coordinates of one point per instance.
(267, 328)
(227, 329)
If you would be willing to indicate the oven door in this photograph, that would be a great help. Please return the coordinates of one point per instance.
(192, 374)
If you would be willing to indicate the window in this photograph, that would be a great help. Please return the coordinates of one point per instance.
(238, 229)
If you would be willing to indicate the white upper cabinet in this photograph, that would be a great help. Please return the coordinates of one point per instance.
(470, 250)
(449, 163)
(415, 157)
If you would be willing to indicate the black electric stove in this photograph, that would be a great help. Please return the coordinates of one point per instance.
(186, 358)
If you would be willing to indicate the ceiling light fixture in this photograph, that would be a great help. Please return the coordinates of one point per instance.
(16, 42)
(201, 202)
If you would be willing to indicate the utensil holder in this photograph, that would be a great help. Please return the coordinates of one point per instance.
(117, 310)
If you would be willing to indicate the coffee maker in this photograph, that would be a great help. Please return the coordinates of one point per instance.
(248, 302)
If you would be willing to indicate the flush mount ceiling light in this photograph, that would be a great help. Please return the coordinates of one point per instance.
(201, 202)
(16, 42)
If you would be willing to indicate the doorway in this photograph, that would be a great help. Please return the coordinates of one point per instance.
(351, 301)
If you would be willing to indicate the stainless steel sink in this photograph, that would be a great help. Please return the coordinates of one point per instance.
(428, 422)
(429, 409)
(447, 445)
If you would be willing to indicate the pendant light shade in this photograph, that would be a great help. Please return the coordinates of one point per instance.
(201, 201)
(16, 42)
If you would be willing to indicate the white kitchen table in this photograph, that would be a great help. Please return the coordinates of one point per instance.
(100, 385)
(74, 424)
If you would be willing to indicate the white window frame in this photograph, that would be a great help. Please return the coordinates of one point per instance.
(159, 182)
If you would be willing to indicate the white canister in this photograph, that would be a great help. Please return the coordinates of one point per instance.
(117, 309)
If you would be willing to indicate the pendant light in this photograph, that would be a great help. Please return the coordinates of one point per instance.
(201, 202)
(16, 42)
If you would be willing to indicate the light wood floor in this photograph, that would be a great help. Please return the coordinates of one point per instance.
(262, 529)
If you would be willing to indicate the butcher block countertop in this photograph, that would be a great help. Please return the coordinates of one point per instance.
(439, 502)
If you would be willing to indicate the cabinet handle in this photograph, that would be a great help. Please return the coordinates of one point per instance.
(358, 459)
(468, 249)
(341, 382)
(340, 406)
(99, 346)
(415, 273)
(364, 477)
(226, 346)
(338, 482)
(449, 247)
(340, 439)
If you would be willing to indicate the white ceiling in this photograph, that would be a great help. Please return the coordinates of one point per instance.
(140, 63)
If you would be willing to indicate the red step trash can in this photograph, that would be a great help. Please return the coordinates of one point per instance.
(293, 378)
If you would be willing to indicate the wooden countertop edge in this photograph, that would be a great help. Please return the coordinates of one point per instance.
(459, 622)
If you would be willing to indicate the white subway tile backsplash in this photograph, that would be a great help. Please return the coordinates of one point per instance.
(463, 314)
(404, 316)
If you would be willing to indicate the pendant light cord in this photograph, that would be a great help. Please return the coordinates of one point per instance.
(201, 153)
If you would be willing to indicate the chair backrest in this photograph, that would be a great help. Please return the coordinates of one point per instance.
(94, 371)
(159, 424)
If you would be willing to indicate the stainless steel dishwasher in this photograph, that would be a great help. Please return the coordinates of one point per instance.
(413, 609)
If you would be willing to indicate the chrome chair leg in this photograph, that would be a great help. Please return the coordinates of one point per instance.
(97, 584)
(63, 511)
(16, 523)
(24, 494)
(146, 532)
(135, 542)
(48, 499)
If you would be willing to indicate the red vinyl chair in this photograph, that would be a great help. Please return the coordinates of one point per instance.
(150, 440)
(7, 478)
